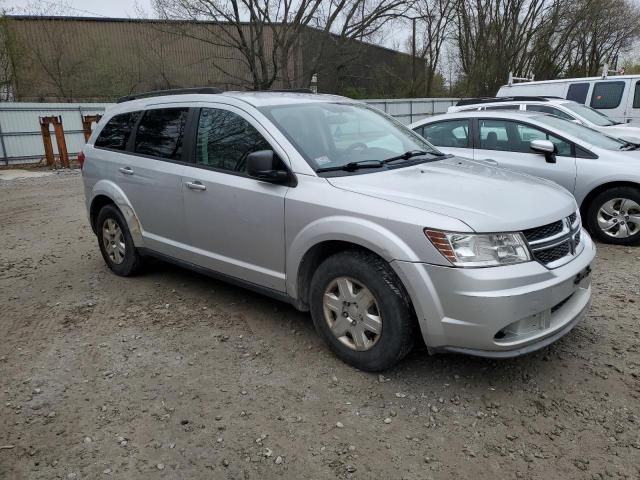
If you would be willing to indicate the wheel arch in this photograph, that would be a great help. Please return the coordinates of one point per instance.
(327, 237)
(586, 202)
(107, 193)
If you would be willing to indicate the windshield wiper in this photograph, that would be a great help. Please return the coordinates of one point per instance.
(411, 154)
(352, 166)
(630, 146)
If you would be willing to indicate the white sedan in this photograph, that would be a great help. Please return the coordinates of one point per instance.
(603, 173)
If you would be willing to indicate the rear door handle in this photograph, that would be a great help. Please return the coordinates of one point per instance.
(195, 185)
(126, 170)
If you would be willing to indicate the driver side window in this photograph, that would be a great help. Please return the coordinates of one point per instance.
(225, 139)
(512, 136)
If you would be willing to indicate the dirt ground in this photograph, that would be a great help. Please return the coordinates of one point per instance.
(173, 375)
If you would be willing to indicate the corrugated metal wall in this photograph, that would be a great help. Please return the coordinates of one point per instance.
(68, 58)
(20, 134)
(409, 110)
(21, 140)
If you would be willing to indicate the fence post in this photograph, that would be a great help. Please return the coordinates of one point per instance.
(63, 154)
(46, 140)
(4, 147)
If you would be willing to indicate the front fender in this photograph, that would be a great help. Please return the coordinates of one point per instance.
(114, 192)
(358, 231)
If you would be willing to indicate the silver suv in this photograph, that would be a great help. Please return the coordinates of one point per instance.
(335, 207)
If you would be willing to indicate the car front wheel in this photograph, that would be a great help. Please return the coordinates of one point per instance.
(614, 216)
(362, 311)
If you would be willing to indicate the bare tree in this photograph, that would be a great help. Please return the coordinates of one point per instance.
(435, 19)
(590, 33)
(268, 33)
(493, 37)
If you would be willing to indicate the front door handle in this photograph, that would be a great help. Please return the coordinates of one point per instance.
(195, 185)
(126, 170)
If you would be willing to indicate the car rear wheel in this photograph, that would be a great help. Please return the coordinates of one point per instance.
(116, 244)
(362, 311)
(614, 216)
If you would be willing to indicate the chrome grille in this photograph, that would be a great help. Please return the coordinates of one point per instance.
(545, 231)
(556, 243)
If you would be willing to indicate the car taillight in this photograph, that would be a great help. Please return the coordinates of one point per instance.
(81, 160)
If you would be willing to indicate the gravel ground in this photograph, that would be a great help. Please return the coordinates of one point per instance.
(172, 375)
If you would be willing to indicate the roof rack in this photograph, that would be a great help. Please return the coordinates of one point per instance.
(474, 101)
(290, 90)
(175, 91)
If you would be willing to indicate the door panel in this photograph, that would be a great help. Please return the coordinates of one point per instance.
(152, 185)
(155, 190)
(235, 223)
(236, 226)
(507, 143)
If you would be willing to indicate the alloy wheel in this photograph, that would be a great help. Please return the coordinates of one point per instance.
(619, 218)
(113, 241)
(352, 313)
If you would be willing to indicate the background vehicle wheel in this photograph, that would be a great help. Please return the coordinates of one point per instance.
(614, 216)
(362, 311)
(115, 242)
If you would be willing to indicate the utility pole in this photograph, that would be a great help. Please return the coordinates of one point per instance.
(413, 55)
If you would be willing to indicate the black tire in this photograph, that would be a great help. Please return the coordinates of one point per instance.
(132, 260)
(398, 319)
(593, 208)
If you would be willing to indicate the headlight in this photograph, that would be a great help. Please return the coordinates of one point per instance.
(480, 250)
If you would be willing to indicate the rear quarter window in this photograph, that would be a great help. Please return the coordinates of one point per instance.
(636, 96)
(578, 92)
(116, 132)
(607, 95)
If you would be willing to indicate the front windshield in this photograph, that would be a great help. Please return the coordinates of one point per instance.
(332, 135)
(588, 135)
(590, 114)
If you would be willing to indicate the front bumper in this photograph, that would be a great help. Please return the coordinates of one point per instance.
(501, 311)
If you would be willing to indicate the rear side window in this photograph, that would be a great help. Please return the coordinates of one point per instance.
(636, 97)
(607, 95)
(503, 107)
(578, 92)
(225, 139)
(116, 132)
(547, 109)
(453, 133)
(160, 133)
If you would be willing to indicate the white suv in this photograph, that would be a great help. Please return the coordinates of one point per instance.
(567, 109)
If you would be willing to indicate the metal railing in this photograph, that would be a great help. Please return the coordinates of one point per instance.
(21, 135)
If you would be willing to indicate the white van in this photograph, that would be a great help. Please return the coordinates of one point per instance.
(618, 97)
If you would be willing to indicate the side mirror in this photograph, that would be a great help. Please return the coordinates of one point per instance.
(265, 165)
(545, 147)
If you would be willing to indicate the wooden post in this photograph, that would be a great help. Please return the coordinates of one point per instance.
(87, 120)
(62, 143)
(46, 140)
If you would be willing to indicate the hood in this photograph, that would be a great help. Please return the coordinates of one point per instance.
(626, 131)
(488, 199)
